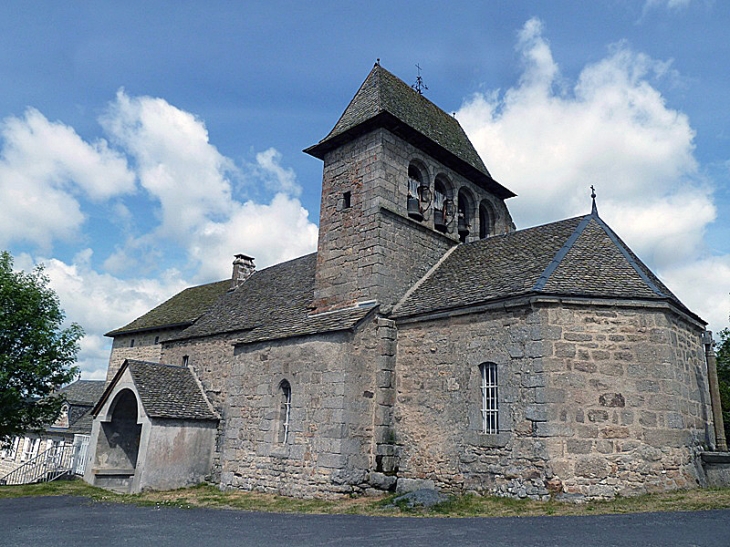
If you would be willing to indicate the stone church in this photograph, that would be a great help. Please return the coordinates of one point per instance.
(427, 343)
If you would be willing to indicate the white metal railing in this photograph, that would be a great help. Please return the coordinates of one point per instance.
(56, 462)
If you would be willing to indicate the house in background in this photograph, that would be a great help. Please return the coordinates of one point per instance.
(65, 441)
(427, 343)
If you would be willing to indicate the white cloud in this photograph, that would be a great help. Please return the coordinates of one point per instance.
(176, 163)
(44, 169)
(271, 233)
(670, 4)
(192, 182)
(705, 288)
(100, 302)
(277, 178)
(550, 140)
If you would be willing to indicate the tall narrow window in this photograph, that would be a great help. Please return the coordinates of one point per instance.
(490, 404)
(284, 411)
(464, 214)
(485, 221)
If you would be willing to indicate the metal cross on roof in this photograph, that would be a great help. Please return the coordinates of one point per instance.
(419, 86)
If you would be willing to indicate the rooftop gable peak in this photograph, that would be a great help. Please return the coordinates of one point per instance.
(384, 100)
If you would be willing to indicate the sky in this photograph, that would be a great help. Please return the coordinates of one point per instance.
(143, 144)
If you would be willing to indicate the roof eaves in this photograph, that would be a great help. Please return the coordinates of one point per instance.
(402, 129)
(122, 330)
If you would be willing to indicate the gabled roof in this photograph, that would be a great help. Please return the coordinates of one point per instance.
(181, 310)
(273, 303)
(577, 257)
(81, 397)
(165, 391)
(384, 100)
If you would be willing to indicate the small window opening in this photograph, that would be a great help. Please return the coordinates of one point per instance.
(485, 221)
(347, 200)
(490, 404)
(131, 343)
(463, 225)
(443, 207)
(185, 360)
(419, 195)
(157, 340)
(284, 411)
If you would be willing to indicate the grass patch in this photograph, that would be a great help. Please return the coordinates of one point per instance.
(456, 506)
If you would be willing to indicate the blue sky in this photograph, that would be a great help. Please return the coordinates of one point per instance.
(142, 144)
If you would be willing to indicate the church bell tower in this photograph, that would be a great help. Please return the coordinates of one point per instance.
(402, 184)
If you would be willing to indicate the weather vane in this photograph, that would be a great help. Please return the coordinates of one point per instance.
(419, 86)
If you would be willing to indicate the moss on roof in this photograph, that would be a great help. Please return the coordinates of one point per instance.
(577, 257)
(385, 100)
(183, 309)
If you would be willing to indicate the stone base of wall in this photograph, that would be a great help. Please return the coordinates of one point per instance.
(716, 469)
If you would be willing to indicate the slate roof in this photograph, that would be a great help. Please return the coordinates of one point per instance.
(384, 100)
(273, 303)
(81, 396)
(179, 311)
(165, 391)
(83, 392)
(578, 257)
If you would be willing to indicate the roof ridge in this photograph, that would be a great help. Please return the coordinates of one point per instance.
(423, 279)
(560, 255)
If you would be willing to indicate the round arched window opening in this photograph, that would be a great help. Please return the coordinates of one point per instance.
(443, 205)
(419, 195)
(486, 219)
(464, 214)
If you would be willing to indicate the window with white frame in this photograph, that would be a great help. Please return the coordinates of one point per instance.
(284, 411)
(490, 403)
(30, 448)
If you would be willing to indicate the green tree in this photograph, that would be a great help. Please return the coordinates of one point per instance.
(37, 355)
(722, 353)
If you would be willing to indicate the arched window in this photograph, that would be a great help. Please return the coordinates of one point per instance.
(490, 403)
(284, 411)
(464, 214)
(443, 205)
(485, 220)
(419, 195)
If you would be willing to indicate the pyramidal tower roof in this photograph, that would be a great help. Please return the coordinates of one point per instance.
(385, 100)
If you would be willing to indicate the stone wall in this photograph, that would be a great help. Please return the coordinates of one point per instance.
(594, 401)
(329, 450)
(438, 406)
(143, 346)
(211, 359)
(627, 398)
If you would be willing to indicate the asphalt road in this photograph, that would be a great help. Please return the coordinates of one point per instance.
(72, 521)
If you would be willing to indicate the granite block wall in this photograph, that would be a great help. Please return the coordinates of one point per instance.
(629, 403)
(330, 447)
(594, 401)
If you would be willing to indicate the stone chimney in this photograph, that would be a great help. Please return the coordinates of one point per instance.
(243, 268)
